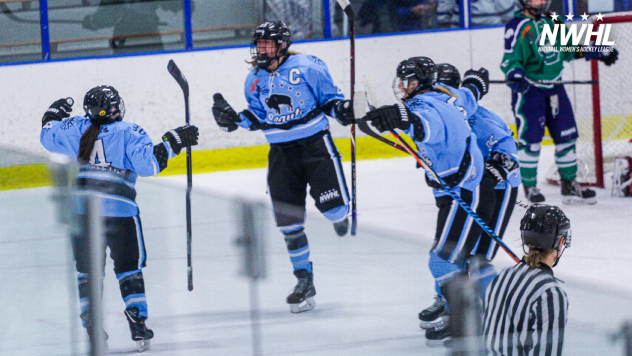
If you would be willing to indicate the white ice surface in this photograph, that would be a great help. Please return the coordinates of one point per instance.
(370, 287)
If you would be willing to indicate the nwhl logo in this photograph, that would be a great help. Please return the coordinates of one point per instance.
(329, 195)
(574, 33)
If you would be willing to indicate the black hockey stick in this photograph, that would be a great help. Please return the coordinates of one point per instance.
(592, 82)
(182, 81)
(346, 7)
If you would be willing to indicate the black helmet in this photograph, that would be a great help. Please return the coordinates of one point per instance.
(536, 10)
(448, 74)
(275, 30)
(421, 69)
(103, 105)
(545, 226)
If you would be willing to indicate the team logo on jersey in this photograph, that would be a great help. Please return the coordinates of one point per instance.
(254, 86)
(278, 101)
(491, 142)
(68, 123)
(329, 195)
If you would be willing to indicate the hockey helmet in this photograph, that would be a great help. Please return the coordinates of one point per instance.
(449, 75)
(546, 227)
(274, 30)
(536, 7)
(103, 105)
(413, 75)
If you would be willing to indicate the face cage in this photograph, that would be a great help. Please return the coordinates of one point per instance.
(401, 95)
(538, 10)
(264, 62)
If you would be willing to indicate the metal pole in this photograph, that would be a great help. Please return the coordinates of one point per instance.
(95, 234)
(45, 35)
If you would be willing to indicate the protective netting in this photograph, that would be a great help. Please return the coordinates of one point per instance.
(615, 106)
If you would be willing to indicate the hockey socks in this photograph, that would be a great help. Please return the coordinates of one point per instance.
(298, 248)
(529, 156)
(566, 160)
(132, 287)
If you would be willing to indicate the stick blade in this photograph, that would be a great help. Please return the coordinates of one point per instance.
(371, 93)
(178, 76)
(359, 104)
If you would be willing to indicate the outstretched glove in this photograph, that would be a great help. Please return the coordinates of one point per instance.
(499, 165)
(518, 80)
(344, 112)
(608, 57)
(58, 110)
(477, 81)
(224, 114)
(390, 117)
(183, 136)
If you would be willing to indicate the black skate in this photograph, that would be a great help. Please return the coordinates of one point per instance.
(342, 227)
(428, 317)
(573, 193)
(302, 298)
(139, 330)
(533, 194)
(87, 323)
(439, 333)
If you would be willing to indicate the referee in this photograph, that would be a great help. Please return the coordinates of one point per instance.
(525, 306)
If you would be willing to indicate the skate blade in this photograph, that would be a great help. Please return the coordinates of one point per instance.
(429, 324)
(307, 305)
(142, 345)
(575, 200)
(437, 343)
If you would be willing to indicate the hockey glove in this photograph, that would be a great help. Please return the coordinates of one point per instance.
(607, 57)
(58, 111)
(183, 136)
(224, 114)
(499, 165)
(495, 171)
(518, 80)
(255, 124)
(477, 81)
(390, 117)
(344, 112)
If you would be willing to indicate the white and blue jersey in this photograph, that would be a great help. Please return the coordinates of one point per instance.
(495, 136)
(121, 153)
(446, 140)
(291, 102)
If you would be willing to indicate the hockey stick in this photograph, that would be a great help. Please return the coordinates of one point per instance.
(346, 7)
(546, 81)
(369, 87)
(184, 85)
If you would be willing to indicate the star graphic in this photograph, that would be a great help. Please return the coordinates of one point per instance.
(554, 16)
(584, 17)
(281, 85)
(569, 17)
(298, 93)
(272, 86)
(600, 17)
(290, 88)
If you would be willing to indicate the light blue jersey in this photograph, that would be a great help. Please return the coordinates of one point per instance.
(446, 140)
(463, 100)
(291, 102)
(122, 152)
(495, 136)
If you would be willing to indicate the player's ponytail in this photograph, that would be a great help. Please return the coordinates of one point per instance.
(443, 90)
(536, 255)
(86, 144)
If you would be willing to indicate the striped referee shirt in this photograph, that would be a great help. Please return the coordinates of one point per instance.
(525, 312)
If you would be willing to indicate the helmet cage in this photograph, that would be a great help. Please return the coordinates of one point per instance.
(421, 69)
(536, 10)
(277, 31)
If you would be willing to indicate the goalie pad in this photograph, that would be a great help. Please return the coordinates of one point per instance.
(622, 177)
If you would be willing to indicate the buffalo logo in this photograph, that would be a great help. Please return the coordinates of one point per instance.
(276, 102)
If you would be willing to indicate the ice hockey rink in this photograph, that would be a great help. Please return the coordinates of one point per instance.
(370, 287)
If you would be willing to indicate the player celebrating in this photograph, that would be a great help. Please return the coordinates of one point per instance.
(288, 97)
(537, 101)
(532, 323)
(112, 154)
(448, 145)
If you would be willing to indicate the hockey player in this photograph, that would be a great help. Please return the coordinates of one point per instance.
(288, 97)
(112, 154)
(500, 181)
(537, 102)
(531, 319)
(449, 147)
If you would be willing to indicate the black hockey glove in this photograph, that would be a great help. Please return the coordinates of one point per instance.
(518, 80)
(58, 110)
(183, 136)
(477, 81)
(255, 124)
(495, 171)
(390, 117)
(595, 52)
(499, 165)
(344, 112)
(224, 114)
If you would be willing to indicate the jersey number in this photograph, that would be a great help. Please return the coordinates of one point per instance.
(97, 157)
(452, 101)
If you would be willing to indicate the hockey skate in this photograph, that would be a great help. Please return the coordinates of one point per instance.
(573, 193)
(140, 333)
(302, 298)
(428, 317)
(532, 193)
(342, 227)
(87, 323)
(439, 333)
